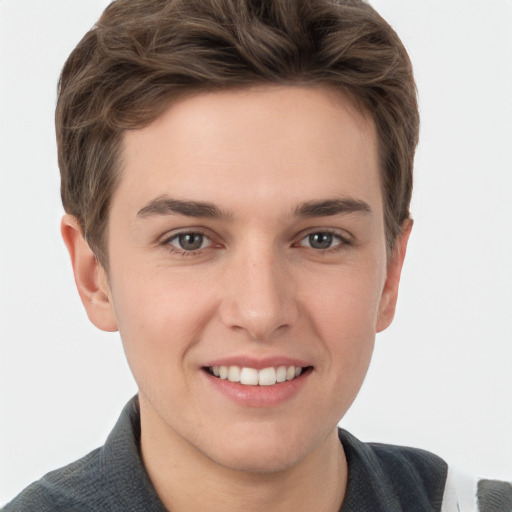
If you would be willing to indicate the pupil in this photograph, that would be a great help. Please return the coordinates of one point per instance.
(320, 240)
(191, 241)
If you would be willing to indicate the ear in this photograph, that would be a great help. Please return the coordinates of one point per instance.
(90, 276)
(394, 269)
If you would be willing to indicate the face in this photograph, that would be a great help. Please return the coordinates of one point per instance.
(246, 239)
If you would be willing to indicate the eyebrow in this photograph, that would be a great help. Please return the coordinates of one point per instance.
(331, 207)
(164, 205)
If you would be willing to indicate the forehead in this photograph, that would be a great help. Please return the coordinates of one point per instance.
(261, 144)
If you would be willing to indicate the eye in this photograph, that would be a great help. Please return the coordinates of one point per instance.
(322, 240)
(189, 242)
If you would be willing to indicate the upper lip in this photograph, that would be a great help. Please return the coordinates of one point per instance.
(258, 363)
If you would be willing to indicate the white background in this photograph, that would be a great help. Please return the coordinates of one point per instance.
(441, 377)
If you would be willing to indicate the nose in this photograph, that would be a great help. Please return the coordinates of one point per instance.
(258, 296)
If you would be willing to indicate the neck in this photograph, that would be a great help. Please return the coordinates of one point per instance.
(185, 479)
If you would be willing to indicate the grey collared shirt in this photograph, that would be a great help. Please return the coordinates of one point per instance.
(381, 478)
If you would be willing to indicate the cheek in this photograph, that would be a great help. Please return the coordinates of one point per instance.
(160, 317)
(344, 316)
(346, 300)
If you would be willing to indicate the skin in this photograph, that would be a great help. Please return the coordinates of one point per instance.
(258, 287)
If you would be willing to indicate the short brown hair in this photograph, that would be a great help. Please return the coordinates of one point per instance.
(143, 53)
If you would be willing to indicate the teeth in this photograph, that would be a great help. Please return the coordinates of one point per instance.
(234, 374)
(249, 376)
(281, 374)
(252, 377)
(267, 377)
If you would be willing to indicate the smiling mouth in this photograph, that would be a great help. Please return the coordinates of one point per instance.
(253, 377)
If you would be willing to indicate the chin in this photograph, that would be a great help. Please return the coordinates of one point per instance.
(260, 449)
(260, 460)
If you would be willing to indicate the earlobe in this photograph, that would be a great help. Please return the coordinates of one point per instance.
(394, 269)
(90, 276)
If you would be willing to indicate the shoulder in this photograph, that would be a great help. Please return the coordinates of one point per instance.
(402, 478)
(464, 493)
(73, 487)
(386, 477)
(111, 478)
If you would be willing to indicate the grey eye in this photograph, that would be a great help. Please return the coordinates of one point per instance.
(320, 240)
(189, 241)
(323, 240)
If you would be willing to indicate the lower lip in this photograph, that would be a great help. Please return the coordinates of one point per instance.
(259, 396)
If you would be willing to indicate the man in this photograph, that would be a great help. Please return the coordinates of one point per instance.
(237, 179)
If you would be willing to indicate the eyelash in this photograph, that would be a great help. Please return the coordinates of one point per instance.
(343, 242)
(182, 252)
